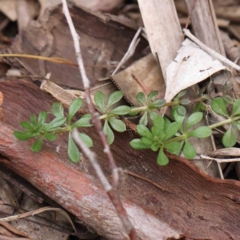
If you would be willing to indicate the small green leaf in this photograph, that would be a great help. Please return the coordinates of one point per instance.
(229, 138)
(57, 109)
(236, 108)
(156, 131)
(73, 152)
(26, 125)
(152, 115)
(177, 117)
(114, 98)
(162, 159)
(228, 99)
(23, 135)
(117, 124)
(152, 95)
(171, 130)
(159, 122)
(146, 141)
(74, 107)
(121, 110)
(219, 106)
(181, 110)
(158, 103)
(181, 94)
(86, 139)
(173, 147)
(42, 118)
(138, 144)
(37, 146)
(55, 123)
(109, 133)
(99, 99)
(50, 136)
(143, 131)
(237, 125)
(185, 101)
(189, 150)
(33, 120)
(199, 107)
(201, 132)
(141, 98)
(144, 119)
(155, 146)
(84, 121)
(166, 122)
(193, 119)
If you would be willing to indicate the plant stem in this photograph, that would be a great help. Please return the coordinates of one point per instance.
(227, 121)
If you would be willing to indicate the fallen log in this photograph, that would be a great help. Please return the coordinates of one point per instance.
(178, 201)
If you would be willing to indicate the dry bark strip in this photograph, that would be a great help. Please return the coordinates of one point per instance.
(192, 204)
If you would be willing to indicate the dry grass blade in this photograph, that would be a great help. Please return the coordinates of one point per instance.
(38, 211)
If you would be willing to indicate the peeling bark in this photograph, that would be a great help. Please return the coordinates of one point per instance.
(191, 206)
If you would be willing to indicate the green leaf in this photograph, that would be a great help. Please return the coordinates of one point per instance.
(237, 125)
(42, 117)
(50, 136)
(158, 103)
(27, 125)
(236, 108)
(181, 94)
(228, 99)
(141, 98)
(201, 132)
(86, 139)
(73, 152)
(33, 120)
(23, 135)
(37, 146)
(162, 159)
(143, 131)
(74, 107)
(84, 121)
(155, 146)
(199, 106)
(177, 117)
(57, 109)
(185, 101)
(171, 130)
(55, 123)
(157, 131)
(159, 122)
(219, 106)
(121, 110)
(189, 150)
(229, 138)
(117, 124)
(146, 141)
(152, 115)
(144, 119)
(138, 144)
(173, 147)
(181, 110)
(114, 98)
(99, 99)
(193, 119)
(108, 131)
(152, 95)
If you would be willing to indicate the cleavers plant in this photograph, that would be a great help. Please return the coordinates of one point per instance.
(156, 132)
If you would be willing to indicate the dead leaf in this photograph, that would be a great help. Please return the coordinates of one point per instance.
(192, 65)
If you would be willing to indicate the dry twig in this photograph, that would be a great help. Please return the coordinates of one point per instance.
(112, 191)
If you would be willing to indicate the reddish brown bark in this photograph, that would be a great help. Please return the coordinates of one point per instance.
(193, 204)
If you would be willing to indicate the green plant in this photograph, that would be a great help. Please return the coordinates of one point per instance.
(163, 135)
(39, 129)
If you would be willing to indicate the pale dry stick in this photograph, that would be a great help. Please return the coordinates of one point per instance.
(34, 212)
(130, 51)
(112, 191)
(210, 51)
(219, 160)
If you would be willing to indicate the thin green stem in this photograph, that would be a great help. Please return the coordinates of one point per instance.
(227, 121)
